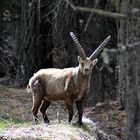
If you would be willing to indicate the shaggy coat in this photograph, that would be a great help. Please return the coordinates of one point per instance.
(69, 84)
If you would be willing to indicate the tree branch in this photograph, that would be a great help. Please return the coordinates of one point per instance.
(97, 11)
(11, 20)
(101, 12)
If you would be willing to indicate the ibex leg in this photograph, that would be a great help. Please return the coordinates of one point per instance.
(43, 108)
(79, 105)
(36, 104)
(69, 105)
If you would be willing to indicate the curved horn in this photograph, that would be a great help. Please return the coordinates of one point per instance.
(79, 47)
(96, 52)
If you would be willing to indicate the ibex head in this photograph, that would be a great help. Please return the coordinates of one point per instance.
(86, 64)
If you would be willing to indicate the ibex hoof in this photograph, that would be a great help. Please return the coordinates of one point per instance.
(47, 122)
(80, 123)
(35, 122)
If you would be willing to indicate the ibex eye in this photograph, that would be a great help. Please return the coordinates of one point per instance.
(91, 66)
(82, 63)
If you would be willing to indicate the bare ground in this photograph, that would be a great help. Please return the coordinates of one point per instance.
(105, 121)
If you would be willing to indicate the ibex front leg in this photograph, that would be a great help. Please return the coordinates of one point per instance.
(79, 105)
(69, 106)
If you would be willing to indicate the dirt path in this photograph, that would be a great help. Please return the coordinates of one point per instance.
(104, 119)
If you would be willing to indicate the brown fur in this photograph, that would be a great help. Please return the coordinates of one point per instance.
(69, 84)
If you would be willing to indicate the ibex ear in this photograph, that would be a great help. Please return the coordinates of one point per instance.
(79, 59)
(95, 61)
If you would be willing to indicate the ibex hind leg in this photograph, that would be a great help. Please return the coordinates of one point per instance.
(43, 109)
(36, 104)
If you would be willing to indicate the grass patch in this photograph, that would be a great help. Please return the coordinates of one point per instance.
(16, 121)
(6, 123)
(2, 126)
(58, 131)
(3, 87)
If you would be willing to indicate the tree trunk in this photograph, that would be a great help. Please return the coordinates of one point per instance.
(36, 41)
(129, 66)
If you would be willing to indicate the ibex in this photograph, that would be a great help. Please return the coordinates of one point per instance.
(69, 84)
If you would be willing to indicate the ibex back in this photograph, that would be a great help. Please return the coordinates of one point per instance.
(69, 84)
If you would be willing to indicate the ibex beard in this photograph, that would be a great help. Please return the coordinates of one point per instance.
(69, 84)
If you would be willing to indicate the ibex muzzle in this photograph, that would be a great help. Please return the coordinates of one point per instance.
(69, 84)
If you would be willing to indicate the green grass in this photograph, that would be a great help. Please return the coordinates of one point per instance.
(2, 125)
(6, 123)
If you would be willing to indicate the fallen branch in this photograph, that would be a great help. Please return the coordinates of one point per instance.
(11, 20)
(97, 11)
(101, 12)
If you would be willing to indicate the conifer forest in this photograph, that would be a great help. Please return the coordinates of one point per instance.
(98, 87)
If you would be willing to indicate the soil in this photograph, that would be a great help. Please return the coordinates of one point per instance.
(107, 119)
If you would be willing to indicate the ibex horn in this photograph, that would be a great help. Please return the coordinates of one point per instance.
(79, 47)
(98, 50)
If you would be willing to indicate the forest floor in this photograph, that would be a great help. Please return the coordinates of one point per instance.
(104, 121)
